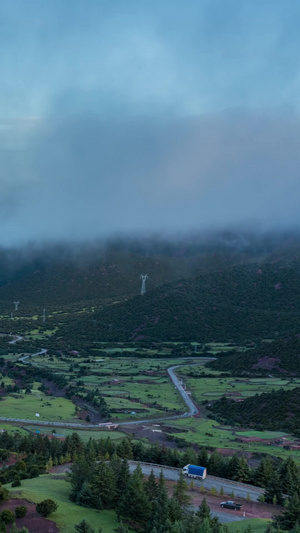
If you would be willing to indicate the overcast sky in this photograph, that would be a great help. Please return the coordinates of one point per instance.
(146, 115)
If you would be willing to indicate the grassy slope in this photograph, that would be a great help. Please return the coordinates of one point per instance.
(258, 525)
(26, 405)
(68, 514)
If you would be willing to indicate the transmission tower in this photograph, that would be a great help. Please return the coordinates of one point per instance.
(143, 287)
(44, 315)
(16, 305)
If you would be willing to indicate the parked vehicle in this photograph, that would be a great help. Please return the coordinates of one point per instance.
(196, 472)
(232, 505)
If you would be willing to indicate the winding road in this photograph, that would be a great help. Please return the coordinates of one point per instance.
(240, 490)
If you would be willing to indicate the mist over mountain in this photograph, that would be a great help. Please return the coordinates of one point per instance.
(206, 250)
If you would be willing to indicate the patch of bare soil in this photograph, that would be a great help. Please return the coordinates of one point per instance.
(33, 521)
(170, 429)
(251, 509)
(149, 433)
(54, 389)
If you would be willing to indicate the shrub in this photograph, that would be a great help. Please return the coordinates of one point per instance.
(7, 516)
(16, 482)
(3, 494)
(20, 511)
(46, 507)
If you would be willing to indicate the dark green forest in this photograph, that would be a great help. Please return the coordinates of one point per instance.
(275, 411)
(280, 357)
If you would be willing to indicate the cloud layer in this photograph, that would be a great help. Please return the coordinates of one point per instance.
(147, 116)
(83, 178)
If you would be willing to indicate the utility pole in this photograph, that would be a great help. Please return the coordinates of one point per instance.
(44, 315)
(143, 287)
(16, 305)
(11, 315)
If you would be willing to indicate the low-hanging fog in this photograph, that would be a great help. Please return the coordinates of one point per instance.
(147, 117)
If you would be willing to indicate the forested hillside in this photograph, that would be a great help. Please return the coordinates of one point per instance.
(94, 277)
(278, 357)
(275, 411)
(231, 304)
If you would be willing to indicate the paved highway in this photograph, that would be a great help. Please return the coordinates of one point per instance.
(16, 338)
(192, 407)
(25, 358)
(241, 490)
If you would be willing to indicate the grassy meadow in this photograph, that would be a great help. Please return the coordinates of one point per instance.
(68, 513)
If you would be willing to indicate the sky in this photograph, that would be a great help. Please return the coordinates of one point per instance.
(147, 116)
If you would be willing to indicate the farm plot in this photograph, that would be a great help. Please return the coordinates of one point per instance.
(212, 388)
(84, 434)
(210, 434)
(27, 405)
(132, 388)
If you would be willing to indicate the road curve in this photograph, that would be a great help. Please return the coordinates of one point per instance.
(25, 358)
(16, 338)
(191, 405)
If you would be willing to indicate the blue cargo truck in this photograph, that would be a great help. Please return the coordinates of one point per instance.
(197, 472)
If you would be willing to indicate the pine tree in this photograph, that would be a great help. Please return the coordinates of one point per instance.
(81, 471)
(180, 491)
(84, 527)
(175, 511)
(123, 477)
(88, 498)
(115, 463)
(205, 526)
(159, 514)
(122, 528)
(243, 473)
(104, 485)
(232, 466)
(134, 503)
(289, 477)
(264, 472)
(151, 487)
(274, 489)
(189, 458)
(291, 516)
(216, 464)
(202, 459)
(203, 510)
(124, 449)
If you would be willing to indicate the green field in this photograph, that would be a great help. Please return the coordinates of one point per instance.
(84, 434)
(213, 388)
(68, 514)
(130, 384)
(262, 434)
(258, 525)
(208, 433)
(26, 405)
